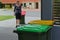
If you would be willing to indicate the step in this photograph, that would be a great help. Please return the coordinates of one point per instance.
(56, 9)
(56, 2)
(55, 12)
(56, 17)
(57, 23)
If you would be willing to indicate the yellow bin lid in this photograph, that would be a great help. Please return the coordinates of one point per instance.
(43, 22)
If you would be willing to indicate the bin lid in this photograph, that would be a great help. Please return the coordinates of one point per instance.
(34, 28)
(44, 22)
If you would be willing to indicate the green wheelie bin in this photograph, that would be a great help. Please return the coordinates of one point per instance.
(22, 21)
(32, 32)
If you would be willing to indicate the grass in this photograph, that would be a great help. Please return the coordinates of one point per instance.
(5, 17)
(8, 8)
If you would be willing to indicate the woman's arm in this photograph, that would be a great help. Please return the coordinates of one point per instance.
(14, 10)
(14, 7)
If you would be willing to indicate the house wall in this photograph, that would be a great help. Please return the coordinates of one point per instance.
(33, 5)
(23, 1)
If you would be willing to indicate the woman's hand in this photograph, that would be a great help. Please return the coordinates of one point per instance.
(13, 14)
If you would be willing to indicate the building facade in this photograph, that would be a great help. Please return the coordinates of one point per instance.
(30, 4)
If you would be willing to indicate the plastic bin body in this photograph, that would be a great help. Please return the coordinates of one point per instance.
(22, 21)
(26, 34)
(23, 35)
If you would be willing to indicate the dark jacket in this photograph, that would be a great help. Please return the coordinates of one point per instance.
(17, 9)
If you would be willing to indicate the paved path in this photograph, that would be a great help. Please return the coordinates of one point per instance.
(6, 30)
(7, 34)
(8, 23)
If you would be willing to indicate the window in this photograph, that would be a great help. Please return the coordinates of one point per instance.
(30, 3)
(24, 4)
(21, 4)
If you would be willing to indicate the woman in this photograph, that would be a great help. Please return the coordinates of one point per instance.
(17, 11)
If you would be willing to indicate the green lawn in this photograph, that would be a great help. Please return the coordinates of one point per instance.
(5, 17)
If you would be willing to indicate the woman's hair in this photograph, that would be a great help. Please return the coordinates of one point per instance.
(17, 1)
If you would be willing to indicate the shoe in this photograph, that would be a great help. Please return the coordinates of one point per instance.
(17, 26)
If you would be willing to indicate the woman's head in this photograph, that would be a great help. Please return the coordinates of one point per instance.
(17, 2)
